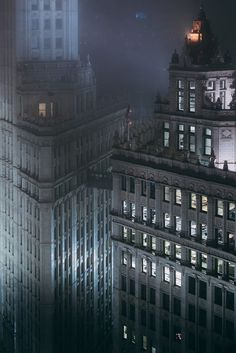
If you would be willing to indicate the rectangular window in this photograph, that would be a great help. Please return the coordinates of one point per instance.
(144, 240)
(125, 210)
(219, 236)
(131, 287)
(124, 233)
(191, 312)
(59, 23)
(191, 285)
(58, 5)
(202, 289)
(219, 266)
(153, 243)
(180, 95)
(143, 292)
(230, 240)
(132, 185)
(34, 5)
(124, 258)
(203, 261)
(178, 252)
(192, 139)
(144, 265)
(152, 296)
(193, 257)
(152, 190)
(35, 24)
(211, 85)
(145, 344)
(143, 188)
(231, 271)
(167, 248)
(166, 274)
(123, 182)
(178, 223)
(231, 211)
(144, 213)
(207, 142)
(132, 261)
(193, 200)
(177, 306)
(166, 135)
(47, 43)
(193, 229)
(42, 110)
(219, 208)
(166, 220)
(132, 210)
(204, 203)
(222, 99)
(165, 302)
(192, 97)
(125, 332)
(203, 231)
(202, 317)
(229, 300)
(123, 283)
(218, 296)
(178, 197)
(166, 194)
(143, 317)
(178, 278)
(180, 137)
(218, 324)
(152, 215)
(153, 269)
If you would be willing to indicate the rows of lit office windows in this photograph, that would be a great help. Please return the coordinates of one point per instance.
(186, 138)
(194, 258)
(132, 337)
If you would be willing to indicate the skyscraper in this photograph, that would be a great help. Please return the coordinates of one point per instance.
(174, 211)
(55, 252)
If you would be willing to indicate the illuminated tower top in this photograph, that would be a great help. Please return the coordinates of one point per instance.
(47, 30)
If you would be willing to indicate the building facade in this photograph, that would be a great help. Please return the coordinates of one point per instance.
(55, 250)
(174, 196)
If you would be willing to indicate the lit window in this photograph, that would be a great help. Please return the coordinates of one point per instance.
(178, 196)
(166, 274)
(231, 211)
(144, 240)
(193, 257)
(211, 85)
(219, 208)
(178, 278)
(153, 243)
(219, 266)
(193, 200)
(178, 252)
(193, 228)
(125, 207)
(124, 258)
(42, 110)
(231, 271)
(144, 213)
(145, 345)
(166, 193)
(180, 95)
(192, 97)
(153, 350)
(231, 242)
(207, 142)
(166, 135)
(219, 236)
(132, 261)
(125, 332)
(153, 269)
(203, 261)
(192, 139)
(222, 99)
(125, 233)
(204, 203)
(144, 265)
(222, 84)
(166, 220)
(203, 231)
(177, 223)
(180, 137)
(132, 235)
(167, 248)
(152, 215)
(132, 210)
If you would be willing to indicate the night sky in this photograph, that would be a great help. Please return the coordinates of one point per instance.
(131, 41)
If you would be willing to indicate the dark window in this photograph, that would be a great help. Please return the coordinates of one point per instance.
(218, 296)
(229, 300)
(202, 290)
(123, 308)
(132, 312)
(202, 317)
(143, 317)
(202, 344)
(191, 313)
(177, 306)
(132, 185)
(131, 287)
(165, 328)
(152, 190)
(152, 322)
(165, 301)
(143, 188)
(143, 292)
(191, 341)
(123, 283)
(152, 296)
(218, 324)
(229, 328)
(123, 182)
(191, 285)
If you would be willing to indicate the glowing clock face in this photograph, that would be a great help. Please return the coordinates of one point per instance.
(227, 134)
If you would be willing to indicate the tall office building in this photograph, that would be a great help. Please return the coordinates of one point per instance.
(55, 257)
(174, 212)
